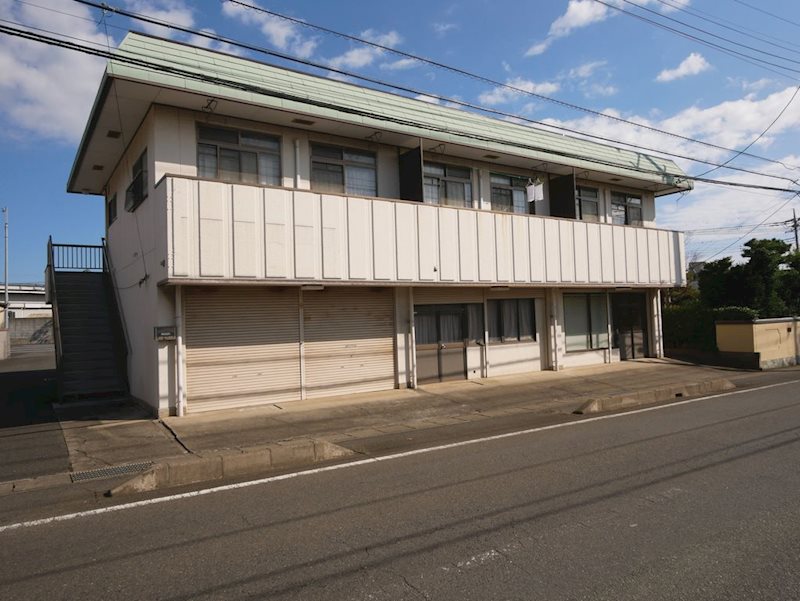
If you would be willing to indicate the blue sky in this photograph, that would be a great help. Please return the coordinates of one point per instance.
(579, 51)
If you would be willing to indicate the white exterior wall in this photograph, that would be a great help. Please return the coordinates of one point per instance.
(137, 244)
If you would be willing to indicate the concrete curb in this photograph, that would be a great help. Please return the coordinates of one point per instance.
(39, 482)
(216, 465)
(654, 395)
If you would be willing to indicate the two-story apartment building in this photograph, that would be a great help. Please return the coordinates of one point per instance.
(307, 237)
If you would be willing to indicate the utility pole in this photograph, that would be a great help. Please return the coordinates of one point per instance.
(5, 276)
(795, 227)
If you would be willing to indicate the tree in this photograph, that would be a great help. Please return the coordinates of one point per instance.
(765, 258)
(713, 281)
(789, 283)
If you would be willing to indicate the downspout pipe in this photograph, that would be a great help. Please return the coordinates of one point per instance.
(180, 397)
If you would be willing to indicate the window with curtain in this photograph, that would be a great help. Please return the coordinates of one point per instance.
(511, 320)
(509, 194)
(343, 170)
(626, 209)
(585, 321)
(589, 203)
(238, 156)
(447, 185)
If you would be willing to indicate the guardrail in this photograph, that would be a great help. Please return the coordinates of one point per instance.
(76, 257)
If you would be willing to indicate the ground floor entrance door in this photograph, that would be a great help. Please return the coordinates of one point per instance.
(441, 342)
(629, 316)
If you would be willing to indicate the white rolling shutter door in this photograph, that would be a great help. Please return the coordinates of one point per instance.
(349, 340)
(242, 346)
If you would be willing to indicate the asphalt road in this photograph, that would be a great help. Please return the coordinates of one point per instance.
(693, 501)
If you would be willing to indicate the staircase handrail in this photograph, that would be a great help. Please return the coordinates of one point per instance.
(52, 297)
(109, 269)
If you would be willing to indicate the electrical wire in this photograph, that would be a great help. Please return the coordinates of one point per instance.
(758, 137)
(482, 78)
(117, 56)
(417, 92)
(766, 12)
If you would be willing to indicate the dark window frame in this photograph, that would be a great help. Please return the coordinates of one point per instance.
(500, 319)
(590, 332)
(516, 183)
(581, 199)
(137, 191)
(343, 162)
(443, 180)
(241, 147)
(111, 209)
(625, 201)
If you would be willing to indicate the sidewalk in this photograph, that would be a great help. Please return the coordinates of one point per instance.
(116, 439)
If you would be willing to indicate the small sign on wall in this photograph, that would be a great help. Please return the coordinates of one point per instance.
(165, 333)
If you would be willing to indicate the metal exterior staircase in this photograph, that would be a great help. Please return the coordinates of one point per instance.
(89, 338)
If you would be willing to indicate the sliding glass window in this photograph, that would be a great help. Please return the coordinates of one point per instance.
(343, 170)
(447, 185)
(238, 156)
(511, 320)
(586, 321)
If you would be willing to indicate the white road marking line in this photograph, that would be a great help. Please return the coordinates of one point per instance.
(341, 466)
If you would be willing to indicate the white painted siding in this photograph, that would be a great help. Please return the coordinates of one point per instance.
(310, 236)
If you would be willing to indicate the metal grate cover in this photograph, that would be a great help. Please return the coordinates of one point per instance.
(109, 472)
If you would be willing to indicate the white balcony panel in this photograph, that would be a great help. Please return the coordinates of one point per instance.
(552, 247)
(219, 230)
(383, 240)
(468, 246)
(428, 228)
(359, 239)
(631, 262)
(212, 200)
(522, 255)
(278, 234)
(487, 261)
(306, 235)
(504, 246)
(652, 256)
(334, 236)
(406, 232)
(537, 252)
(581, 236)
(663, 256)
(183, 205)
(246, 201)
(566, 234)
(448, 245)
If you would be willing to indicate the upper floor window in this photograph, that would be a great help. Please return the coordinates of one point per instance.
(509, 193)
(137, 190)
(626, 209)
(111, 210)
(343, 170)
(588, 203)
(447, 185)
(238, 156)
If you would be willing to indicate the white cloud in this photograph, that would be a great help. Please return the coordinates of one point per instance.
(30, 73)
(363, 56)
(693, 64)
(441, 29)
(281, 33)
(401, 64)
(503, 95)
(170, 11)
(598, 89)
(582, 13)
(586, 70)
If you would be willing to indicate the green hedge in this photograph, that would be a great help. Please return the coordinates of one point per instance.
(735, 314)
(689, 326)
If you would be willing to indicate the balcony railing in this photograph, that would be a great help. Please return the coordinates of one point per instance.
(220, 231)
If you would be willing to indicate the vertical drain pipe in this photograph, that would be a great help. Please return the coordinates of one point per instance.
(180, 400)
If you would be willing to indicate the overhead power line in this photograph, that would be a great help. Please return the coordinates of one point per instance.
(735, 27)
(417, 92)
(759, 62)
(484, 79)
(221, 81)
(766, 12)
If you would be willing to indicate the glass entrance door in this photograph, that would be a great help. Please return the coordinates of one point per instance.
(441, 342)
(629, 312)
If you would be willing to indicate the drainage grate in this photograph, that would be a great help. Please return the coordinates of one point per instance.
(109, 472)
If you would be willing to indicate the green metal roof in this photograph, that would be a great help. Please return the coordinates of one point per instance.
(279, 88)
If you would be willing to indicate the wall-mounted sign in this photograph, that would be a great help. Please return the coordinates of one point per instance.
(165, 333)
